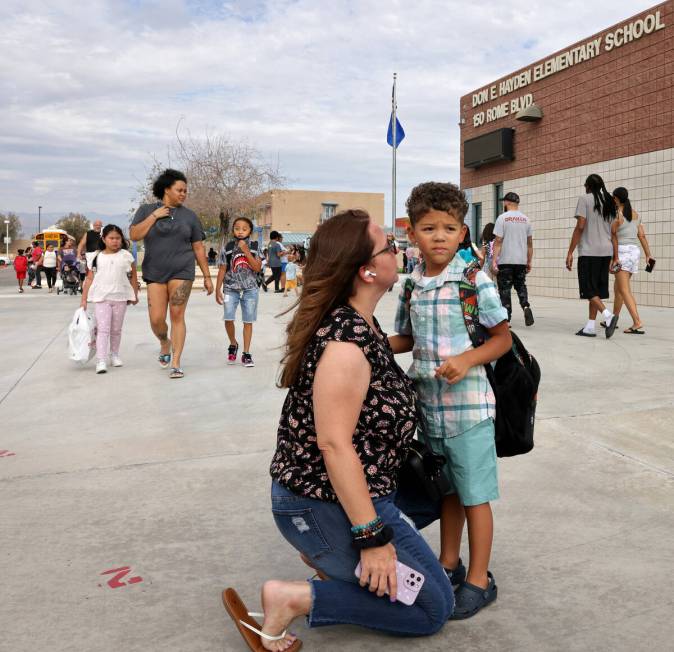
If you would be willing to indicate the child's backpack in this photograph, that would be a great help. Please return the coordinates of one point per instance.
(514, 378)
(229, 252)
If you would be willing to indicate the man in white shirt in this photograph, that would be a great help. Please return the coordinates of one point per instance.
(513, 253)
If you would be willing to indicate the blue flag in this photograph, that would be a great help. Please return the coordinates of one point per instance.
(400, 132)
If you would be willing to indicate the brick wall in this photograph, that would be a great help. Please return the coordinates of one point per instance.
(615, 105)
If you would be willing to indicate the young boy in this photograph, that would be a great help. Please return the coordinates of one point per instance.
(456, 400)
(20, 267)
(238, 267)
(291, 276)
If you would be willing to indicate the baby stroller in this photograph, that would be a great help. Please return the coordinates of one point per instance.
(70, 277)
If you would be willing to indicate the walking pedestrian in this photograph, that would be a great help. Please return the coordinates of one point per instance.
(513, 255)
(107, 286)
(345, 430)
(595, 211)
(91, 240)
(627, 231)
(468, 250)
(35, 271)
(173, 238)
(20, 268)
(487, 242)
(275, 249)
(291, 275)
(48, 263)
(393, 243)
(283, 255)
(412, 258)
(238, 267)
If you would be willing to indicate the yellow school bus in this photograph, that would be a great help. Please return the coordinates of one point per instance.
(56, 237)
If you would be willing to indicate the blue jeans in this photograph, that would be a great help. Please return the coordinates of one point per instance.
(321, 531)
(247, 299)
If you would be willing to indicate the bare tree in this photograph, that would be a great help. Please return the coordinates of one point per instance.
(15, 226)
(75, 224)
(225, 178)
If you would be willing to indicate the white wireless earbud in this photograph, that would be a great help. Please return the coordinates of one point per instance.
(369, 273)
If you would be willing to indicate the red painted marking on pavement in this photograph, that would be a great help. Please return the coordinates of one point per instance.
(4, 453)
(121, 572)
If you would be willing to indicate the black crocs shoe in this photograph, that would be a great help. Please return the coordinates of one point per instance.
(528, 316)
(469, 599)
(458, 575)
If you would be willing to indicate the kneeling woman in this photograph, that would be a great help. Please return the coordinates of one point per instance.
(345, 430)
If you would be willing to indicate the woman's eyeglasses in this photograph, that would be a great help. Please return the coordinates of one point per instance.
(391, 247)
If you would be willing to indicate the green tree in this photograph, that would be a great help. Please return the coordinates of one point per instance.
(15, 226)
(75, 224)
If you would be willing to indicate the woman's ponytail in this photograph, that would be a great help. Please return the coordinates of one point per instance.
(622, 196)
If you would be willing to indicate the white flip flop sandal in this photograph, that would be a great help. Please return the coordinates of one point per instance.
(259, 632)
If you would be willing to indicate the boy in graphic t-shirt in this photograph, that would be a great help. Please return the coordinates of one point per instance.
(238, 267)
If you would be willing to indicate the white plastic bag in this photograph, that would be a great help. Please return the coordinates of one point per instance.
(59, 285)
(82, 337)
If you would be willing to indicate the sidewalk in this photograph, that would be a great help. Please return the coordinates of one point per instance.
(170, 479)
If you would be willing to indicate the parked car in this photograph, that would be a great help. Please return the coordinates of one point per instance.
(4, 260)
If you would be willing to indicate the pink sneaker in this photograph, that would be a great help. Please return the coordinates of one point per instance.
(231, 353)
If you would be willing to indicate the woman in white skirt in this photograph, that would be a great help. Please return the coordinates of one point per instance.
(627, 232)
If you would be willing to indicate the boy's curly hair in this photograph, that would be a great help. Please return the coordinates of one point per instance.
(434, 195)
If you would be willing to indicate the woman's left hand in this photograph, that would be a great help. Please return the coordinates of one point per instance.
(208, 286)
(134, 302)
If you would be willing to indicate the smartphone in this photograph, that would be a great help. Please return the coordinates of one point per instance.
(616, 268)
(409, 583)
(651, 265)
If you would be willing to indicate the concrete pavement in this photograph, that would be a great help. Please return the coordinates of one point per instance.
(170, 479)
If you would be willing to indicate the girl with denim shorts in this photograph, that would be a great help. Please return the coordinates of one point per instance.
(238, 266)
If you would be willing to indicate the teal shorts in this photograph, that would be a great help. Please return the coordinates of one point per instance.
(471, 463)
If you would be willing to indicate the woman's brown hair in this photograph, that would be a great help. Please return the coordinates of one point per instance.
(338, 249)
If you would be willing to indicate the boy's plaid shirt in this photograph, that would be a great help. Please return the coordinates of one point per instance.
(432, 315)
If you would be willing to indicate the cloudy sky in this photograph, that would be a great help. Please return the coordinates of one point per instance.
(91, 91)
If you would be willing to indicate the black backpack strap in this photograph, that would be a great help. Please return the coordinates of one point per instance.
(471, 313)
(229, 250)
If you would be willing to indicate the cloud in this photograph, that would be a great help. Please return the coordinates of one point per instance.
(90, 92)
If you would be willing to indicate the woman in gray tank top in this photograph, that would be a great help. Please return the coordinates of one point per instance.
(627, 232)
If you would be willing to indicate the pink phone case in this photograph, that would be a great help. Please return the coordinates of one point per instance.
(409, 583)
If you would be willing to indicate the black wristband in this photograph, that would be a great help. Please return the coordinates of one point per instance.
(380, 539)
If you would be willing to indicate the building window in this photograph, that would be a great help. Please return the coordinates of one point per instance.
(327, 211)
(476, 231)
(498, 200)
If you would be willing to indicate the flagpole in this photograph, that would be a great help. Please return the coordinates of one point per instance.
(395, 145)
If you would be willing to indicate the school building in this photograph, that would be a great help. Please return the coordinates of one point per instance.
(301, 211)
(602, 105)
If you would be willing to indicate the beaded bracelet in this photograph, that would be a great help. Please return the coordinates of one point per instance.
(357, 529)
(383, 536)
(368, 534)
